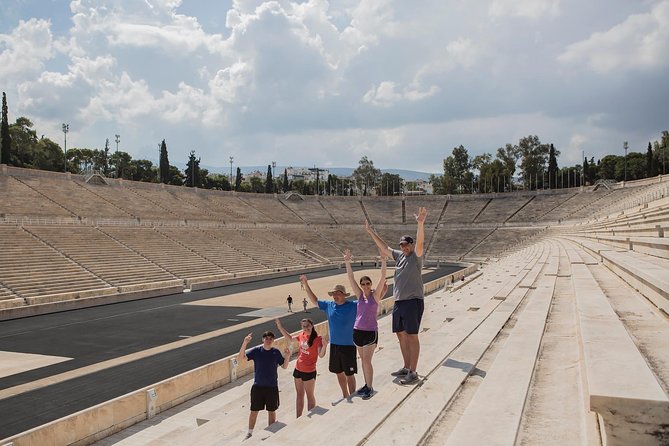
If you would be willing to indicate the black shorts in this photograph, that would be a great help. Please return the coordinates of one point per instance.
(304, 376)
(362, 338)
(407, 315)
(343, 359)
(264, 398)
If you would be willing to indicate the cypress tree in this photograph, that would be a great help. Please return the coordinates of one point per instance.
(552, 168)
(650, 162)
(269, 181)
(286, 186)
(5, 138)
(164, 164)
(238, 180)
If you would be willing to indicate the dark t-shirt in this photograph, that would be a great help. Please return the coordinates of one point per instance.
(265, 363)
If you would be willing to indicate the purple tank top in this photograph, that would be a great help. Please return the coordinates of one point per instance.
(365, 318)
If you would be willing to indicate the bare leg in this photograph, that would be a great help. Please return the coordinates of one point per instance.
(253, 416)
(271, 417)
(413, 343)
(309, 389)
(343, 384)
(350, 380)
(404, 348)
(366, 354)
(299, 402)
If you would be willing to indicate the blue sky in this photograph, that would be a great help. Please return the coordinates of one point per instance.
(325, 83)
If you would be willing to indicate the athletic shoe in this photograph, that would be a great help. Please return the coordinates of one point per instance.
(401, 372)
(368, 394)
(249, 435)
(362, 390)
(409, 378)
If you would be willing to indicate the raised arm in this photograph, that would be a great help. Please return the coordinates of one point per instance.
(324, 346)
(283, 331)
(420, 232)
(286, 358)
(383, 246)
(349, 272)
(379, 290)
(242, 350)
(310, 294)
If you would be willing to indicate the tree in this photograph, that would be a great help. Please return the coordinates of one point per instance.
(366, 175)
(164, 165)
(192, 171)
(176, 176)
(216, 181)
(269, 181)
(48, 156)
(286, 186)
(552, 167)
(238, 180)
(257, 185)
(123, 166)
(23, 142)
(533, 155)
(650, 162)
(143, 170)
(509, 156)
(457, 176)
(606, 168)
(390, 184)
(5, 138)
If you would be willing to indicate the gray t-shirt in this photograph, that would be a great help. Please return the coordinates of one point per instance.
(408, 282)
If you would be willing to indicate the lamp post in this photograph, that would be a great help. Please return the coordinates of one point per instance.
(117, 138)
(625, 147)
(66, 129)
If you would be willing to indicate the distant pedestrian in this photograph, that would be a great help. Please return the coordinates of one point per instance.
(304, 304)
(265, 390)
(289, 300)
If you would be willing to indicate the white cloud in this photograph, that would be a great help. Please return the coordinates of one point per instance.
(640, 41)
(326, 82)
(25, 51)
(529, 9)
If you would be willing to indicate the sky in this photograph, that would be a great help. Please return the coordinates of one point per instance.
(318, 83)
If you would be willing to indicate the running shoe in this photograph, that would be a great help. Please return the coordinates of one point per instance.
(362, 390)
(409, 378)
(368, 394)
(401, 372)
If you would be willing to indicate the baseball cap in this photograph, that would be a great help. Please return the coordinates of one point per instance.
(406, 239)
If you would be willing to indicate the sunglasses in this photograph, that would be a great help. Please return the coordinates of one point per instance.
(365, 283)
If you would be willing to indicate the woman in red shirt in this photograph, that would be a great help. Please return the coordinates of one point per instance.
(311, 347)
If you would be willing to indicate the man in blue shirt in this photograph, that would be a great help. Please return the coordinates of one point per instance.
(265, 391)
(341, 318)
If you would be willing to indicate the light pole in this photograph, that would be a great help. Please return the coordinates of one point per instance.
(66, 128)
(625, 147)
(117, 138)
(232, 158)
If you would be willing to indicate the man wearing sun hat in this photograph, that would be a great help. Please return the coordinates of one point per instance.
(341, 318)
(408, 293)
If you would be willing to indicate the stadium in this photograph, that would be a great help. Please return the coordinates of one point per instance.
(123, 304)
